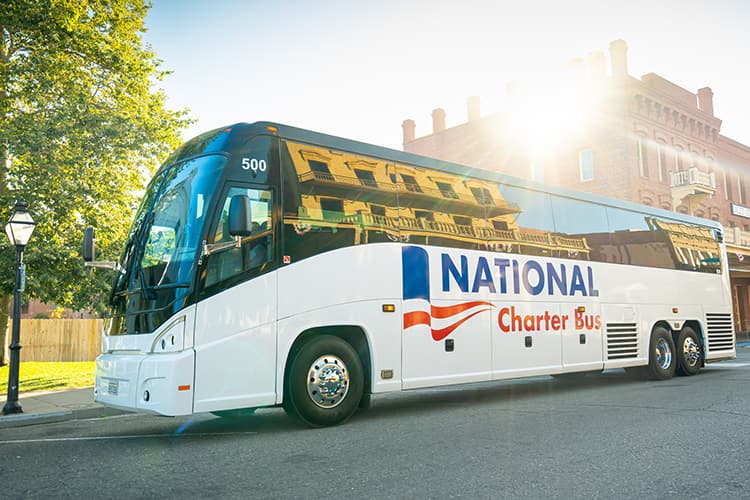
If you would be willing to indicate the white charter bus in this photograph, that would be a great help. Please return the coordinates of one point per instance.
(269, 265)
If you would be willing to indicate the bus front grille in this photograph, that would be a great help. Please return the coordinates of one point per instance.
(622, 341)
(720, 333)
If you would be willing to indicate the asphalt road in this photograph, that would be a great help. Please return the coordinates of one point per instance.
(609, 436)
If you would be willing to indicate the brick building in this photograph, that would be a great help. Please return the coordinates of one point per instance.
(644, 140)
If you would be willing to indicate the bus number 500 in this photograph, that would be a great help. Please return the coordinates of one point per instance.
(254, 164)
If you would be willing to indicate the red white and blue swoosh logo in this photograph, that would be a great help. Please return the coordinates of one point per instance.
(441, 320)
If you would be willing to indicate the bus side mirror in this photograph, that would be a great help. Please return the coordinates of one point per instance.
(88, 244)
(240, 220)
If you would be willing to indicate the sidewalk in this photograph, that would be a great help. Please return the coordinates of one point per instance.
(55, 406)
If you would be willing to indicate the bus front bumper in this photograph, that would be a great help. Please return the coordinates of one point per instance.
(153, 383)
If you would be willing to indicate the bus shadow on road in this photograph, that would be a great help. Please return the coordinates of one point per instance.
(502, 394)
(493, 393)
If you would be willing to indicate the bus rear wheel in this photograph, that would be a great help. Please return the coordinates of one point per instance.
(661, 360)
(324, 382)
(689, 352)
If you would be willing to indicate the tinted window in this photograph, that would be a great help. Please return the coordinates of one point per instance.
(226, 260)
(581, 227)
(645, 240)
(530, 228)
(334, 199)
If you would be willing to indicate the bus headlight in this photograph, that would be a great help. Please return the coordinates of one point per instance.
(171, 339)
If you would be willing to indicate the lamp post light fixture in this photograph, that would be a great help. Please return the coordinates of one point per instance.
(19, 229)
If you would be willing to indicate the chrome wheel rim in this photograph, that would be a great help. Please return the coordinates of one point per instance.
(663, 354)
(328, 381)
(691, 351)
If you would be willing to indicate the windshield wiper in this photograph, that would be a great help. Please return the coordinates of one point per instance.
(151, 289)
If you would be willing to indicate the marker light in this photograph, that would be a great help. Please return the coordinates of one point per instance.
(183, 387)
(675, 310)
(272, 129)
(581, 309)
(389, 308)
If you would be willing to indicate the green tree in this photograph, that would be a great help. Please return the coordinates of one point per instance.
(82, 125)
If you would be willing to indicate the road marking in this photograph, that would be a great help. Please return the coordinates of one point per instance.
(725, 364)
(135, 436)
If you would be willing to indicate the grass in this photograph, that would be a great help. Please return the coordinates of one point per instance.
(49, 376)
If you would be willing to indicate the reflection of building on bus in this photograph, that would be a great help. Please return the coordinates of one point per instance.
(351, 199)
(667, 245)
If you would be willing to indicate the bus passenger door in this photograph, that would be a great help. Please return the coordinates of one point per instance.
(235, 330)
(582, 339)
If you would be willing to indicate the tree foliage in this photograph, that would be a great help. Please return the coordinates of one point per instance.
(82, 125)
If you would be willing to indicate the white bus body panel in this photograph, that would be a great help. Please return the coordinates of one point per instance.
(235, 347)
(346, 287)
(131, 365)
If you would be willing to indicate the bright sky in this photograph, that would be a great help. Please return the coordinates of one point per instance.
(358, 68)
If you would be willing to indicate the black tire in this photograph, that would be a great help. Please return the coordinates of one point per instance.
(662, 360)
(238, 414)
(324, 382)
(689, 352)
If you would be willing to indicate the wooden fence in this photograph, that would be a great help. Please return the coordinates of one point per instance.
(60, 339)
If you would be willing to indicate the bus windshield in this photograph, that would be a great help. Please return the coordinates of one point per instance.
(160, 257)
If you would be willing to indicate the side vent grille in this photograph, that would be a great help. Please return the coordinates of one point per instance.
(720, 332)
(622, 341)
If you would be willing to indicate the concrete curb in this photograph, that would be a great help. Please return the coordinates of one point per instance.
(22, 420)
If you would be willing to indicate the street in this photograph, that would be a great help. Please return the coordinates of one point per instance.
(607, 436)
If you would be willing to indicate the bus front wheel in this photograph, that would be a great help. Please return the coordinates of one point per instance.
(661, 360)
(324, 382)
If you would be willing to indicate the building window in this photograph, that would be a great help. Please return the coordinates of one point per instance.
(586, 164)
(537, 171)
(741, 189)
(332, 207)
(377, 210)
(661, 160)
(447, 190)
(677, 158)
(366, 178)
(482, 196)
(726, 185)
(642, 156)
(410, 183)
(461, 220)
(320, 169)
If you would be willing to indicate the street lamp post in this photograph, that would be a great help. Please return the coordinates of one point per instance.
(19, 229)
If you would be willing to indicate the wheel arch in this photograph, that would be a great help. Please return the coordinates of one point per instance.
(663, 324)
